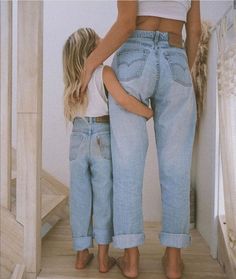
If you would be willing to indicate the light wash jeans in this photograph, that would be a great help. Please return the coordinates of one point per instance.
(152, 70)
(90, 197)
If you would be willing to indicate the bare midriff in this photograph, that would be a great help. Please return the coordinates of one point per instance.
(153, 23)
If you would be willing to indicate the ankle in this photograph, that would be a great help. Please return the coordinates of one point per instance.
(132, 251)
(83, 252)
(173, 252)
(103, 251)
(173, 257)
(132, 256)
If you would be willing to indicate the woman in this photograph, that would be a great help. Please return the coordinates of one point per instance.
(152, 64)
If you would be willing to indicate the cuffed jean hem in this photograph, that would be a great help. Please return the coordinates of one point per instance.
(128, 240)
(175, 240)
(103, 236)
(81, 243)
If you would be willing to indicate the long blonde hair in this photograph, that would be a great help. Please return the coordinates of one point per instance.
(75, 52)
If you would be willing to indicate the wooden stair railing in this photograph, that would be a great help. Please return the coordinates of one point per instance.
(6, 100)
(29, 130)
(54, 208)
(11, 243)
(33, 195)
(19, 272)
(54, 197)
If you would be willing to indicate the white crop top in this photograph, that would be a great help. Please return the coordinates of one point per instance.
(175, 9)
(97, 99)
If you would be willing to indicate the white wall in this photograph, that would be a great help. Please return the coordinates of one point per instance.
(206, 148)
(61, 18)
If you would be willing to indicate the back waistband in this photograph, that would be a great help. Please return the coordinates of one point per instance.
(156, 36)
(162, 36)
(98, 119)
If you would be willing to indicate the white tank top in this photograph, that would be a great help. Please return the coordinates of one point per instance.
(97, 99)
(176, 9)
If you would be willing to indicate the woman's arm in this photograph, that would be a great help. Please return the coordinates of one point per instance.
(119, 32)
(125, 100)
(193, 31)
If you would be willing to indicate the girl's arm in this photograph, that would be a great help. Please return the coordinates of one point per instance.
(193, 31)
(123, 27)
(125, 100)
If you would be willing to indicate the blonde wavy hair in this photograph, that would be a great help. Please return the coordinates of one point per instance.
(199, 69)
(75, 52)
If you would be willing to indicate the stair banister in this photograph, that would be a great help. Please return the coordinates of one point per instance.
(29, 130)
(6, 100)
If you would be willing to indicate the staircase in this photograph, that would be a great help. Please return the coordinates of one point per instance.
(54, 198)
(54, 207)
(12, 236)
(32, 201)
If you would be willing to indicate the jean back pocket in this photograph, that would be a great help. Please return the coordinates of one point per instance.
(130, 63)
(178, 63)
(75, 142)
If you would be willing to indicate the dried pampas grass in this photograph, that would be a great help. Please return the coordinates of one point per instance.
(199, 69)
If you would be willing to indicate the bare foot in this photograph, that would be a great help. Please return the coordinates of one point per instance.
(106, 264)
(172, 263)
(83, 258)
(104, 261)
(129, 263)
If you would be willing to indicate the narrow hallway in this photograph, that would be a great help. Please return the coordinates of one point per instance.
(58, 257)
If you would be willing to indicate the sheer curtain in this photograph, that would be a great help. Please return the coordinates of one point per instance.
(227, 125)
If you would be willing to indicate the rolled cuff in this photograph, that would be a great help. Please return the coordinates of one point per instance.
(103, 236)
(175, 240)
(81, 243)
(123, 241)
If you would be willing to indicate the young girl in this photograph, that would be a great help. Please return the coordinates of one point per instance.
(90, 154)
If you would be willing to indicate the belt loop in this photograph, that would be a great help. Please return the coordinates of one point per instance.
(87, 119)
(156, 37)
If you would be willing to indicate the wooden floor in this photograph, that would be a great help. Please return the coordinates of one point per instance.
(58, 257)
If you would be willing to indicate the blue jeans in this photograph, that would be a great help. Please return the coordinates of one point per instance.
(153, 71)
(90, 197)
